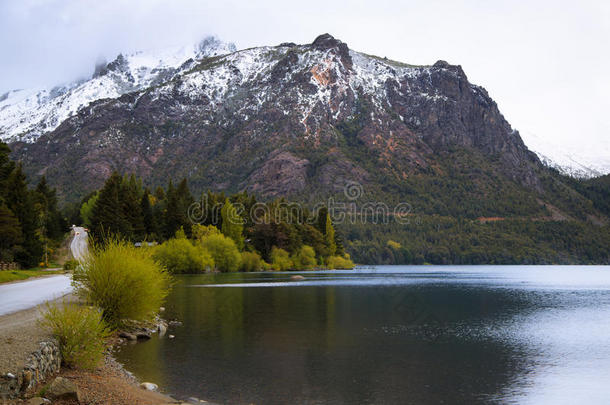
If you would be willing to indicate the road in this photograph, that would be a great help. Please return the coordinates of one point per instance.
(79, 243)
(26, 294)
(29, 293)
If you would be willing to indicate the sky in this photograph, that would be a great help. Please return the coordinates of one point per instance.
(544, 62)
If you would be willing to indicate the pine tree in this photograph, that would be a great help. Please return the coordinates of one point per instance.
(171, 222)
(131, 199)
(10, 234)
(20, 201)
(107, 216)
(6, 168)
(53, 221)
(150, 224)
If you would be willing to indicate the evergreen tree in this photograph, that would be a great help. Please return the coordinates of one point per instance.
(150, 223)
(178, 200)
(53, 222)
(107, 216)
(171, 222)
(10, 234)
(6, 168)
(131, 199)
(21, 202)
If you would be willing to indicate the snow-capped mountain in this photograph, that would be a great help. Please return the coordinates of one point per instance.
(275, 120)
(27, 114)
(580, 161)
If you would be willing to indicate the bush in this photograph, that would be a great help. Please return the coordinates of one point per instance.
(280, 259)
(70, 264)
(124, 281)
(180, 256)
(80, 331)
(250, 261)
(305, 258)
(223, 250)
(339, 263)
(201, 231)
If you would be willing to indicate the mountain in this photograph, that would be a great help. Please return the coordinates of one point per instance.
(27, 114)
(274, 104)
(319, 121)
(580, 161)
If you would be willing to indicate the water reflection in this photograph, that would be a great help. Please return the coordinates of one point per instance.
(391, 334)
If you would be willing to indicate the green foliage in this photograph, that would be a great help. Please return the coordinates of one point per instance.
(339, 263)
(251, 261)
(70, 264)
(108, 216)
(201, 231)
(330, 236)
(305, 258)
(447, 240)
(224, 252)
(180, 256)
(80, 331)
(10, 234)
(86, 210)
(177, 203)
(21, 202)
(232, 224)
(124, 281)
(14, 275)
(280, 259)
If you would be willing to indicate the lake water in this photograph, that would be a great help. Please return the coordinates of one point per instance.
(387, 334)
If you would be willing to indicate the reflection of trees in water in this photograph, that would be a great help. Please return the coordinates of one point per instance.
(334, 344)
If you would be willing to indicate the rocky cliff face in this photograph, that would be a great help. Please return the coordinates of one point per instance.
(280, 120)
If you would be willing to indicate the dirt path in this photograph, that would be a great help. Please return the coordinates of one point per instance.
(20, 336)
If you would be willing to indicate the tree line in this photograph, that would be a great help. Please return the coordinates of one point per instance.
(229, 233)
(31, 223)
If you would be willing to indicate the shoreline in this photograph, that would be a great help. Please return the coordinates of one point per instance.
(109, 383)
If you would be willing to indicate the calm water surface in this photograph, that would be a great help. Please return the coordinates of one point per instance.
(387, 334)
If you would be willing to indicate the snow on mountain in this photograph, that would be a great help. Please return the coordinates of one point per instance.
(580, 160)
(27, 114)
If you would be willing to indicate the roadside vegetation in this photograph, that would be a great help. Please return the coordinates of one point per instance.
(31, 224)
(125, 282)
(80, 331)
(16, 275)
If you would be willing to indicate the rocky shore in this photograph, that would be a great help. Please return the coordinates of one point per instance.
(34, 377)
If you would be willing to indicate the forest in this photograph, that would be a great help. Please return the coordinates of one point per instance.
(198, 233)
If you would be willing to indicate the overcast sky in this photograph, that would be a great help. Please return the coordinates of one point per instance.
(544, 62)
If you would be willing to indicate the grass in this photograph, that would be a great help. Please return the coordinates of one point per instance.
(7, 276)
(80, 331)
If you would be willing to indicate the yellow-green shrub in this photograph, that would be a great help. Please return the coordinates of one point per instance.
(223, 250)
(80, 331)
(70, 264)
(339, 263)
(250, 261)
(180, 256)
(305, 258)
(124, 281)
(280, 259)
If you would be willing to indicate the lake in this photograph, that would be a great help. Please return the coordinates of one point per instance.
(387, 334)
